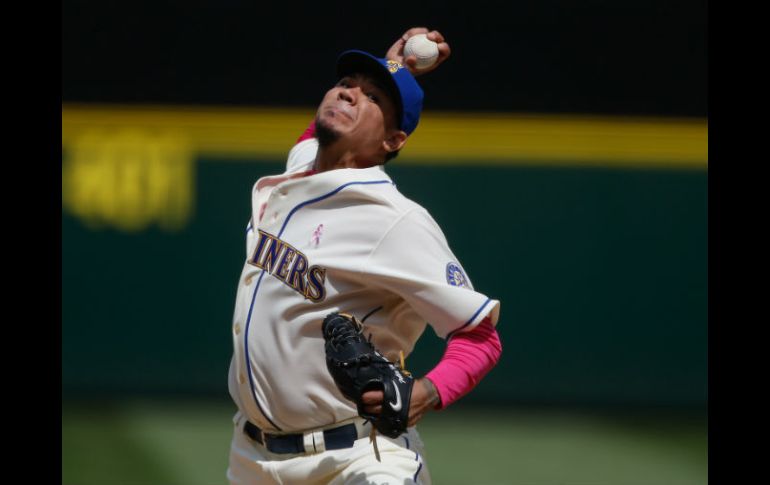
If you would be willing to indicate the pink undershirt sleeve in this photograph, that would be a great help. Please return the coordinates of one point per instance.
(309, 132)
(467, 359)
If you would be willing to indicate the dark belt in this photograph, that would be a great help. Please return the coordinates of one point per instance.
(334, 439)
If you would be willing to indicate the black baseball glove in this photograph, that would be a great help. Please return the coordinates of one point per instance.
(357, 367)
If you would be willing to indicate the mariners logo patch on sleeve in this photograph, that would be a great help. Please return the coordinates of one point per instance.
(455, 275)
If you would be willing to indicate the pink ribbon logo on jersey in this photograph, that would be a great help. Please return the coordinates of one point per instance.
(316, 239)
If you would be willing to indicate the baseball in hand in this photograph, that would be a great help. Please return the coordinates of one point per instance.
(423, 48)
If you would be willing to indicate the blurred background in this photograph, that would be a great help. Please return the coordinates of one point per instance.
(563, 150)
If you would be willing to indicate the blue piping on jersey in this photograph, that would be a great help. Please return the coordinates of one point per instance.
(295, 209)
(416, 455)
(246, 352)
(416, 458)
(256, 288)
(469, 321)
(417, 473)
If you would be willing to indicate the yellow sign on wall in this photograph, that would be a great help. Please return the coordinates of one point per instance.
(129, 179)
(132, 167)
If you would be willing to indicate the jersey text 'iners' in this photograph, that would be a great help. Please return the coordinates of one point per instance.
(289, 265)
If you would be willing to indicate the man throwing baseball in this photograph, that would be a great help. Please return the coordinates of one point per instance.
(342, 275)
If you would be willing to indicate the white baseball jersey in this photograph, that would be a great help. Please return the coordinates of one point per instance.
(341, 240)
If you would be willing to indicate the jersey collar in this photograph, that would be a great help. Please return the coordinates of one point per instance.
(324, 182)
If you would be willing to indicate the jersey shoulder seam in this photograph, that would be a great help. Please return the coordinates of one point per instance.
(385, 234)
(403, 204)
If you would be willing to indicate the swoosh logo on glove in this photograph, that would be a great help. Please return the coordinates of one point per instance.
(397, 405)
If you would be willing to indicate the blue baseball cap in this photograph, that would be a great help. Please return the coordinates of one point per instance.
(398, 80)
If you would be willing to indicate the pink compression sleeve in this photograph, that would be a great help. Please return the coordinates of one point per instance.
(468, 358)
(309, 132)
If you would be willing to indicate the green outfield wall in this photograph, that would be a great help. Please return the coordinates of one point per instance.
(601, 270)
(591, 231)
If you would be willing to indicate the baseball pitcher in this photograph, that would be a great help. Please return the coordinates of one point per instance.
(341, 275)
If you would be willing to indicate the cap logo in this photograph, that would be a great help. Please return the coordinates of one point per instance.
(394, 66)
